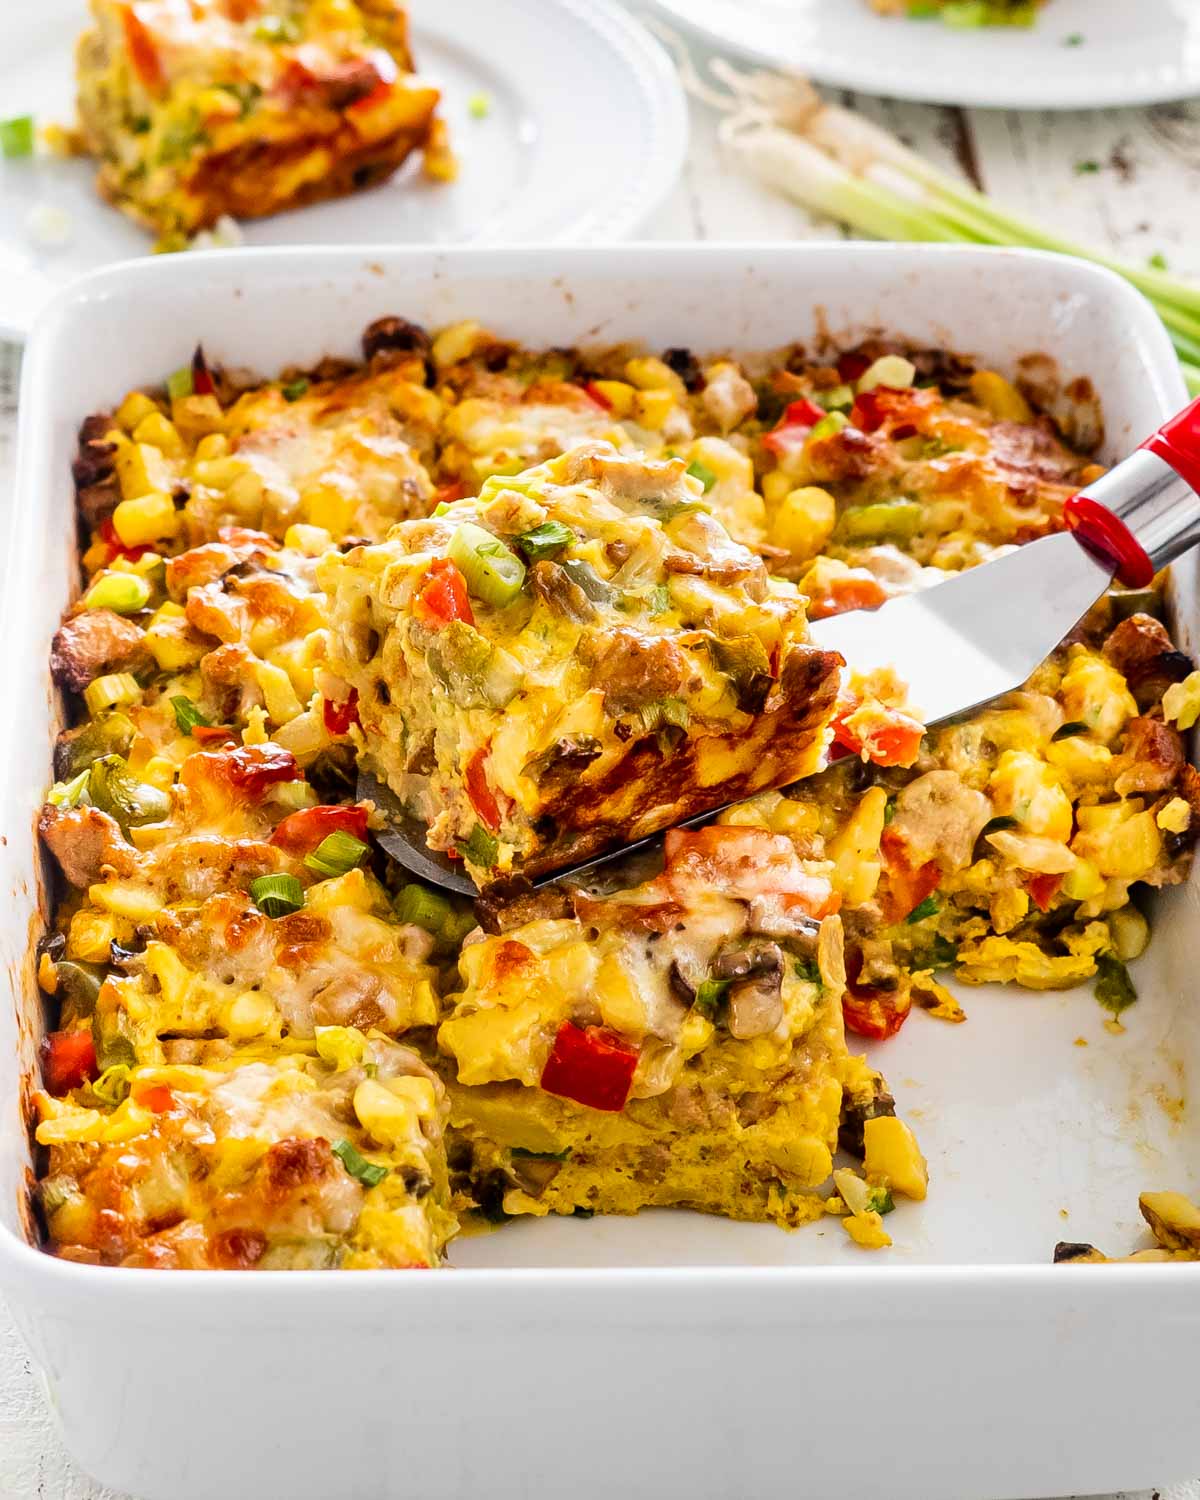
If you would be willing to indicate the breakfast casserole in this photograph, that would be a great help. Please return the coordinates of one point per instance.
(547, 594)
(196, 109)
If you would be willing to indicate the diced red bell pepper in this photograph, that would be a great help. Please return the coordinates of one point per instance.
(857, 590)
(212, 734)
(1043, 889)
(142, 52)
(891, 741)
(202, 381)
(340, 716)
(301, 832)
(886, 404)
(68, 1059)
(597, 395)
(443, 596)
(156, 1097)
(591, 1065)
(483, 799)
(793, 427)
(446, 494)
(868, 1011)
(908, 883)
(253, 768)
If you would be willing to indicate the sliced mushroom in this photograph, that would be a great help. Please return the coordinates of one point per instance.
(755, 996)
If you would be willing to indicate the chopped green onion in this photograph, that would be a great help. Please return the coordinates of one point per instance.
(277, 895)
(479, 106)
(16, 136)
(1114, 989)
(942, 953)
(493, 572)
(1076, 39)
(180, 383)
(891, 370)
(520, 1151)
(187, 715)
(68, 793)
(294, 389)
(659, 599)
(113, 691)
(1158, 261)
(880, 1201)
(589, 581)
(886, 520)
(1071, 727)
(545, 540)
(123, 593)
(441, 508)
(336, 854)
(711, 996)
(422, 907)
(889, 811)
(840, 398)
(928, 908)
(481, 849)
(809, 970)
(965, 13)
(703, 473)
(292, 796)
(831, 422)
(113, 1084)
(1086, 168)
(369, 1173)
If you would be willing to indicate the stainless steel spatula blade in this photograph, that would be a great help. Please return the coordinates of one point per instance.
(979, 634)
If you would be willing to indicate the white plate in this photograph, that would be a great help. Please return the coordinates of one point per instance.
(1132, 52)
(585, 134)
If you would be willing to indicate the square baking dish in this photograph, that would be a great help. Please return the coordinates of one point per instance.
(669, 1354)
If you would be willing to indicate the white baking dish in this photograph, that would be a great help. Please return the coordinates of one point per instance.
(669, 1354)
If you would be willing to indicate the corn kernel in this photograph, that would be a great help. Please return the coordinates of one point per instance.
(171, 640)
(650, 374)
(652, 408)
(999, 397)
(141, 469)
(776, 486)
(196, 416)
(158, 771)
(135, 408)
(804, 520)
(148, 518)
(1175, 817)
(455, 343)
(891, 1151)
(312, 541)
(159, 432)
(618, 394)
(126, 898)
(90, 936)
(392, 1120)
(324, 506)
(278, 693)
(212, 445)
(250, 1014)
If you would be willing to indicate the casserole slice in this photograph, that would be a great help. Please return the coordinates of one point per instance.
(216, 107)
(323, 1156)
(579, 656)
(676, 1041)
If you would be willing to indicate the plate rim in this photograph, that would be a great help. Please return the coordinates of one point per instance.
(863, 77)
(634, 49)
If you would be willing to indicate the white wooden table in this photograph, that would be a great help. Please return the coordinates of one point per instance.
(1140, 202)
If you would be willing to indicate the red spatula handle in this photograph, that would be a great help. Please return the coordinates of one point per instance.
(1145, 512)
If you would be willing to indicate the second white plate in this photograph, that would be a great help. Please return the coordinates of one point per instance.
(584, 134)
(1080, 53)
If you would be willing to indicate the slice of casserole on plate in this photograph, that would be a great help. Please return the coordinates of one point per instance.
(245, 107)
(675, 1041)
(577, 657)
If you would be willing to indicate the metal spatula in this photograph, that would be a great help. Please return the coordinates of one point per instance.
(979, 634)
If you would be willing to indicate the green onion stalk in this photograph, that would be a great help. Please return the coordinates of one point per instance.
(840, 166)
